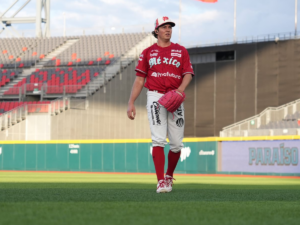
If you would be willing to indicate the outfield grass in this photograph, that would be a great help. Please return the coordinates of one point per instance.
(71, 198)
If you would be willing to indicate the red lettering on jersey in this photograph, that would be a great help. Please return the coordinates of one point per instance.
(165, 18)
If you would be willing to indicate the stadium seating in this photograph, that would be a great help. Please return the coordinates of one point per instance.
(290, 121)
(38, 107)
(282, 120)
(7, 106)
(56, 78)
(69, 71)
(32, 106)
(24, 52)
(95, 49)
(89, 50)
(8, 75)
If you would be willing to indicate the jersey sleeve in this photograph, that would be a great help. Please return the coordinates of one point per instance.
(142, 66)
(187, 67)
(139, 74)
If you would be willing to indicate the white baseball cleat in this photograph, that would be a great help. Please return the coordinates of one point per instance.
(161, 187)
(169, 182)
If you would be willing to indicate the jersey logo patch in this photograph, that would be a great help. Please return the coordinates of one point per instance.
(174, 50)
(176, 54)
(167, 74)
(141, 57)
(154, 74)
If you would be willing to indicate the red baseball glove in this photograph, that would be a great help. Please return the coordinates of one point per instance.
(172, 100)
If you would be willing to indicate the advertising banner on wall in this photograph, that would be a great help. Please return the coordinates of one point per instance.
(260, 156)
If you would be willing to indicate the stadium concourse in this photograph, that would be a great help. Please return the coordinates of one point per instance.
(59, 71)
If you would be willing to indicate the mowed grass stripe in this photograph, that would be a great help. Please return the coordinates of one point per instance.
(71, 198)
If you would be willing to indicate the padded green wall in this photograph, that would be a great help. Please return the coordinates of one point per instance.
(101, 157)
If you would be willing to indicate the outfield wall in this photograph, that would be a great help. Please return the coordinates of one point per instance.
(102, 156)
(254, 156)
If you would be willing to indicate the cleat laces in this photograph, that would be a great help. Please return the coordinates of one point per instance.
(161, 184)
(169, 181)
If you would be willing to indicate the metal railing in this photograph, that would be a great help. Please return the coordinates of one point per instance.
(256, 125)
(13, 116)
(276, 37)
(59, 105)
(20, 113)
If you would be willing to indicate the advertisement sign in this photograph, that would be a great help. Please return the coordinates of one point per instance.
(260, 156)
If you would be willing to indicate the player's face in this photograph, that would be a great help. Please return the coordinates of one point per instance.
(165, 32)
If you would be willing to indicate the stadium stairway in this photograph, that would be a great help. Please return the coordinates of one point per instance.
(273, 121)
(116, 68)
(40, 64)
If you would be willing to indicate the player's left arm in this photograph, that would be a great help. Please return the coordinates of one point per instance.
(187, 71)
(185, 82)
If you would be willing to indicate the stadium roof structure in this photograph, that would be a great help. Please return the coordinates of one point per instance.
(41, 6)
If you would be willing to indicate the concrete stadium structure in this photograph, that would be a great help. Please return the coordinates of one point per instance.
(232, 83)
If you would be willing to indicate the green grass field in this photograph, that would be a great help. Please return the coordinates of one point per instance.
(78, 198)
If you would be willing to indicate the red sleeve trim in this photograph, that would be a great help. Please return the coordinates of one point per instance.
(140, 74)
(140, 71)
(188, 73)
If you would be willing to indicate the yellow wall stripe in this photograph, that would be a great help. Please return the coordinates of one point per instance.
(206, 139)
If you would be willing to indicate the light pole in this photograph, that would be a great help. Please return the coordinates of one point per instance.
(64, 24)
(296, 16)
(179, 26)
(234, 22)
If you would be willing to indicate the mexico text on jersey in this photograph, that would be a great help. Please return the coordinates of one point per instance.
(164, 68)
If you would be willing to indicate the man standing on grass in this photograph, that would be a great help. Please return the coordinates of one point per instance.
(166, 67)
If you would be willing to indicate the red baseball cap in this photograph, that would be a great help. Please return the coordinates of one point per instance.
(163, 20)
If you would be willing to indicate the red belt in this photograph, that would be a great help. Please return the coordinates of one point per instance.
(161, 92)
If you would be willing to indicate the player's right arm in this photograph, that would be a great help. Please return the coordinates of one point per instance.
(141, 74)
(135, 92)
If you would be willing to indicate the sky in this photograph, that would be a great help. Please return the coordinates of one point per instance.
(201, 23)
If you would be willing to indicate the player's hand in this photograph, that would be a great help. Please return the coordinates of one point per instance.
(131, 111)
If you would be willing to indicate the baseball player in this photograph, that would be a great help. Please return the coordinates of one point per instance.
(165, 67)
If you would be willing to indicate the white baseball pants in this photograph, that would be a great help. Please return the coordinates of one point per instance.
(162, 123)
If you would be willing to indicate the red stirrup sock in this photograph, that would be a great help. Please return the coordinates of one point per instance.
(172, 162)
(158, 156)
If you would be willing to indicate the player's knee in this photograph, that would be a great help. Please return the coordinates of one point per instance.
(161, 143)
(176, 150)
(176, 147)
